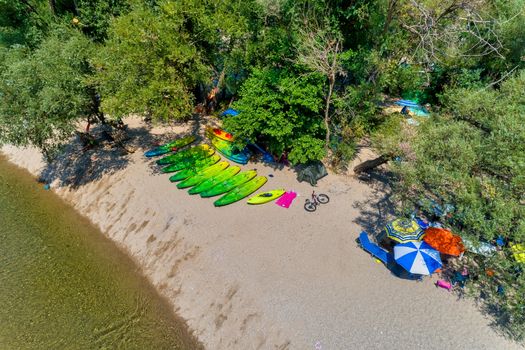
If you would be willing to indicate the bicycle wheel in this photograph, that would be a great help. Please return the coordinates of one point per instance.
(309, 206)
(323, 198)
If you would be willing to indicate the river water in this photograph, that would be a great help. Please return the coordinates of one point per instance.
(63, 285)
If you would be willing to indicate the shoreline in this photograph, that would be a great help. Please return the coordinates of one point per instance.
(261, 277)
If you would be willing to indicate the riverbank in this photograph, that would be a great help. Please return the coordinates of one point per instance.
(261, 277)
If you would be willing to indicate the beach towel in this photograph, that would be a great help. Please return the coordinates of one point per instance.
(286, 199)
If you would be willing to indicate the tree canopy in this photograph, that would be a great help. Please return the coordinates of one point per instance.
(44, 92)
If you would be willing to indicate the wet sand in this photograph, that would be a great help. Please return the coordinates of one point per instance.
(263, 277)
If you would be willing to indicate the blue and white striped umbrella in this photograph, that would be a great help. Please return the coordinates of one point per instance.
(417, 257)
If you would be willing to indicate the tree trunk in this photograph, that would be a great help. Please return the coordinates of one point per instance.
(95, 107)
(371, 164)
(389, 16)
(327, 112)
(212, 98)
(75, 7)
(331, 80)
(29, 6)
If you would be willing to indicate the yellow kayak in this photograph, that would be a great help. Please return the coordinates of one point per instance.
(265, 197)
(203, 175)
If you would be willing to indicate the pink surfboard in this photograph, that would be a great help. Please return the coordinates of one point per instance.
(286, 199)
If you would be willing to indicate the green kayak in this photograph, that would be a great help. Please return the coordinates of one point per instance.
(188, 165)
(212, 181)
(229, 184)
(168, 147)
(203, 175)
(240, 192)
(192, 153)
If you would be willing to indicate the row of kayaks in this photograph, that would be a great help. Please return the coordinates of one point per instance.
(222, 141)
(200, 169)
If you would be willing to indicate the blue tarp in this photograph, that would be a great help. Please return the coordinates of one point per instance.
(229, 113)
(407, 103)
(414, 107)
(419, 111)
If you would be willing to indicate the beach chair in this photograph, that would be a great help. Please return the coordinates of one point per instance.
(375, 250)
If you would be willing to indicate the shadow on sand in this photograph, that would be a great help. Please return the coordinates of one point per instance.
(375, 213)
(77, 166)
(195, 129)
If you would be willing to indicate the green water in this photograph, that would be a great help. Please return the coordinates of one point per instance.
(63, 285)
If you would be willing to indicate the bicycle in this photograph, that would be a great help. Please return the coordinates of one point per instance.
(310, 205)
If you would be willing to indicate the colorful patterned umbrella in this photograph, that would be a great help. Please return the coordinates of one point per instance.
(444, 241)
(404, 230)
(417, 257)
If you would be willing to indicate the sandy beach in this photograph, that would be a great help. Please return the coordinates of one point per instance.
(262, 277)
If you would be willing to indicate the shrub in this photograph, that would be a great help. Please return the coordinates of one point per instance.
(283, 109)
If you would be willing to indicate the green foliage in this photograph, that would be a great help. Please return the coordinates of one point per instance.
(283, 110)
(44, 93)
(356, 113)
(23, 22)
(392, 135)
(473, 157)
(343, 150)
(152, 61)
(28, 22)
(95, 16)
(509, 16)
(399, 78)
(306, 148)
(239, 45)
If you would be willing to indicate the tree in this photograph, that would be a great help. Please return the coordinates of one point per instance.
(450, 29)
(318, 51)
(44, 93)
(281, 109)
(154, 59)
(27, 22)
